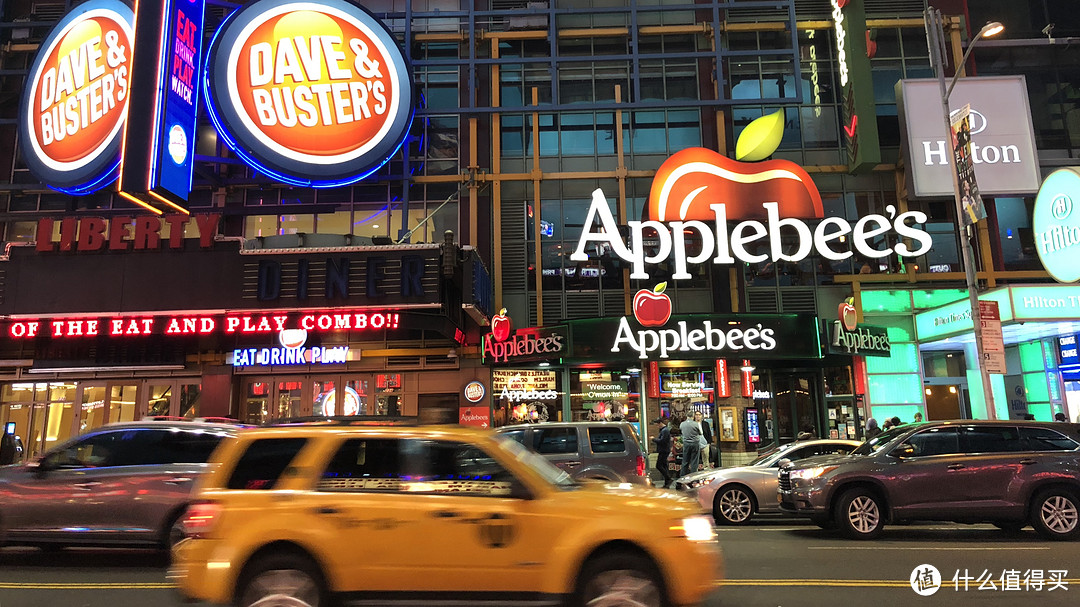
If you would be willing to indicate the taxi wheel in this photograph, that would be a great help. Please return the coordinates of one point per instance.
(734, 506)
(173, 531)
(1055, 514)
(619, 579)
(282, 580)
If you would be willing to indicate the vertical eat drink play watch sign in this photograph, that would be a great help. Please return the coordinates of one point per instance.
(159, 138)
(859, 114)
(723, 382)
(993, 341)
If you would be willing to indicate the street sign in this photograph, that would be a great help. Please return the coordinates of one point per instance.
(993, 343)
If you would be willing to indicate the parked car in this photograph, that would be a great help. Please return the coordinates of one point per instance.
(305, 513)
(1010, 473)
(609, 451)
(735, 495)
(120, 484)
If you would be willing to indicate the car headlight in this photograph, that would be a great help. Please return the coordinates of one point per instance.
(698, 482)
(809, 473)
(696, 528)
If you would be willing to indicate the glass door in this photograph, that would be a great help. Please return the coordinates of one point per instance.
(795, 397)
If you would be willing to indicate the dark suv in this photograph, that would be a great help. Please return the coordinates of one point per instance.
(1009, 473)
(586, 450)
(121, 484)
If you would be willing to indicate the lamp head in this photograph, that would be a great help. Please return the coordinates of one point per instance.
(991, 29)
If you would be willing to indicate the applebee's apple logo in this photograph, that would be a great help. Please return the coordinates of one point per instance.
(846, 314)
(652, 308)
(680, 182)
(500, 326)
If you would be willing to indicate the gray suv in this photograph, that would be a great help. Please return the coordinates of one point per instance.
(120, 484)
(586, 450)
(1009, 473)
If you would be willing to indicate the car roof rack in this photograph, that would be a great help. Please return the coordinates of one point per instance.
(345, 420)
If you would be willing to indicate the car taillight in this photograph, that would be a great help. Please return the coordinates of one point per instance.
(200, 518)
(640, 466)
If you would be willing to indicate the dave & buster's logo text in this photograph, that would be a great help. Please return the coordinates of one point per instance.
(314, 93)
(76, 98)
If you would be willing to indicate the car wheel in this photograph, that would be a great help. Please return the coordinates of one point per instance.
(860, 515)
(619, 579)
(282, 580)
(1055, 514)
(734, 506)
(1010, 526)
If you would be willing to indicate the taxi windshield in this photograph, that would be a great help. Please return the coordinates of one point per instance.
(542, 466)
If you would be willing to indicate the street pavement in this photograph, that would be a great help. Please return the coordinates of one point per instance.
(775, 563)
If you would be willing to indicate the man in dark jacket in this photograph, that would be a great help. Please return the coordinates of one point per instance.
(663, 450)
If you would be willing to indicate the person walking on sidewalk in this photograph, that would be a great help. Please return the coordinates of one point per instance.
(691, 446)
(663, 450)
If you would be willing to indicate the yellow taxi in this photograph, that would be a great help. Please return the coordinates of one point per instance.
(305, 515)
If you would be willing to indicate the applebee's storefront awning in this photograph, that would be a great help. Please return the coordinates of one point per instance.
(696, 336)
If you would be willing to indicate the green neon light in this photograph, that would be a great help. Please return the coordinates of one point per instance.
(955, 318)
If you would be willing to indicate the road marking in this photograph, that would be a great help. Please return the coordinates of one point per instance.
(85, 585)
(838, 583)
(1005, 547)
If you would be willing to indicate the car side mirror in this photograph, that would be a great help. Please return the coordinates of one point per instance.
(903, 451)
(784, 463)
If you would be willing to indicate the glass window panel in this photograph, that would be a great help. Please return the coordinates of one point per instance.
(92, 414)
(260, 225)
(122, 405)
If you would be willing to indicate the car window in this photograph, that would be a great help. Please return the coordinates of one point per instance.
(838, 449)
(877, 443)
(555, 440)
(606, 440)
(517, 435)
(94, 451)
(1045, 439)
(192, 446)
(801, 452)
(415, 466)
(989, 439)
(935, 441)
(543, 467)
(263, 462)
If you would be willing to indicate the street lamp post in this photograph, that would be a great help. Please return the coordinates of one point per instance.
(935, 37)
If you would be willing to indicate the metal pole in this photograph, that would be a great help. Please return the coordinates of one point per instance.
(935, 35)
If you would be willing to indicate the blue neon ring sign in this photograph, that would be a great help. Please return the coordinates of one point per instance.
(312, 93)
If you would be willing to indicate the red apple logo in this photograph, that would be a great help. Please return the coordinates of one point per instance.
(846, 314)
(652, 308)
(871, 46)
(500, 326)
(692, 179)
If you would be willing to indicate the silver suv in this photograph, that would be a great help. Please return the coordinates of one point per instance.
(121, 484)
(607, 451)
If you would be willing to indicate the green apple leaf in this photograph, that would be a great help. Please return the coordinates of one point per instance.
(660, 287)
(761, 137)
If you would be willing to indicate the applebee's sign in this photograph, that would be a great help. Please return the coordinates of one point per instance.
(847, 337)
(653, 309)
(504, 344)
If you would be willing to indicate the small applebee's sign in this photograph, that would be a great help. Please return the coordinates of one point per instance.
(504, 344)
(846, 336)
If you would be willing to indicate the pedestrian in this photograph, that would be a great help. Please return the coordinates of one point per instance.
(887, 425)
(896, 421)
(1060, 417)
(691, 449)
(872, 429)
(7, 449)
(918, 417)
(663, 450)
(706, 436)
(1029, 417)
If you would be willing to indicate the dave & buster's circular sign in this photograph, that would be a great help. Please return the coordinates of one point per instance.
(312, 93)
(76, 98)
